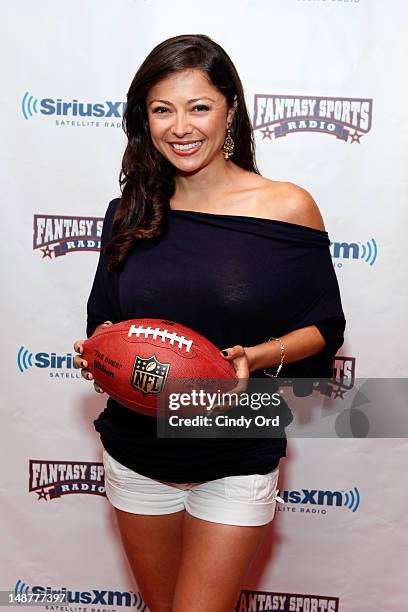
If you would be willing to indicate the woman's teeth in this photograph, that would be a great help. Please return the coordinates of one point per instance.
(186, 147)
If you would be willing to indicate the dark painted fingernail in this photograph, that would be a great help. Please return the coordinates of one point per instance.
(224, 353)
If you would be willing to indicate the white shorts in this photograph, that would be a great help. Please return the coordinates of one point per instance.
(234, 500)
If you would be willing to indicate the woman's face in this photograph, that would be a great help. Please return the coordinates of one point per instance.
(188, 118)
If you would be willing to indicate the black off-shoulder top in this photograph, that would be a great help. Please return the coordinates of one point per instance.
(236, 280)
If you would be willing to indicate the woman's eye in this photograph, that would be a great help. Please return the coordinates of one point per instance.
(161, 110)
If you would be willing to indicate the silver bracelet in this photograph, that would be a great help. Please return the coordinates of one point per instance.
(282, 358)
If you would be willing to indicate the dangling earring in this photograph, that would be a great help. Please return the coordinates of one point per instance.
(228, 146)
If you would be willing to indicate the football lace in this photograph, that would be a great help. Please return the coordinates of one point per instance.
(164, 334)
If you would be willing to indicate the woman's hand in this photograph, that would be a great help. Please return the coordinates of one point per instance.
(79, 362)
(237, 356)
(239, 360)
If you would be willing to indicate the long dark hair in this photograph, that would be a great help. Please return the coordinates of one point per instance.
(147, 177)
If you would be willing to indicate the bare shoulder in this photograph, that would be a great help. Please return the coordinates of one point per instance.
(284, 201)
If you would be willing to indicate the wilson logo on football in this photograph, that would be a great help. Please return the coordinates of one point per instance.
(149, 375)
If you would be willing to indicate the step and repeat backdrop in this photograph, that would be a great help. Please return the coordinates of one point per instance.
(326, 89)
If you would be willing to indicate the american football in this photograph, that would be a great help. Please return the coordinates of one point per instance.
(137, 361)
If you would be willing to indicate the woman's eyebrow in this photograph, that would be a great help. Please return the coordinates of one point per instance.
(188, 101)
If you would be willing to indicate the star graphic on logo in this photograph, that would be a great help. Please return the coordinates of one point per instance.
(267, 133)
(47, 252)
(339, 392)
(41, 494)
(355, 137)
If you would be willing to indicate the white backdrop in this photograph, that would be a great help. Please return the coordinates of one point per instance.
(58, 174)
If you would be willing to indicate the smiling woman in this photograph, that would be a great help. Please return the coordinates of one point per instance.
(181, 127)
(184, 101)
(200, 238)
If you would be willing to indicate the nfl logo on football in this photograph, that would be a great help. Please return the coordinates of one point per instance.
(149, 375)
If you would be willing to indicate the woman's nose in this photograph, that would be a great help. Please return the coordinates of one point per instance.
(181, 125)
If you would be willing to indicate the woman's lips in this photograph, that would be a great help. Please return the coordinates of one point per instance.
(185, 152)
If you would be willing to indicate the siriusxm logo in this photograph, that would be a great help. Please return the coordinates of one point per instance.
(355, 250)
(63, 109)
(93, 596)
(348, 499)
(26, 360)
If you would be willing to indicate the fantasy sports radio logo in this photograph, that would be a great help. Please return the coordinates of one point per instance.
(99, 597)
(344, 370)
(277, 115)
(59, 366)
(342, 380)
(344, 373)
(259, 601)
(366, 251)
(315, 501)
(74, 112)
(53, 479)
(58, 235)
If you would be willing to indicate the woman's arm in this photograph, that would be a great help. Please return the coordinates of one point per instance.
(103, 302)
(298, 344)
(319, 333)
